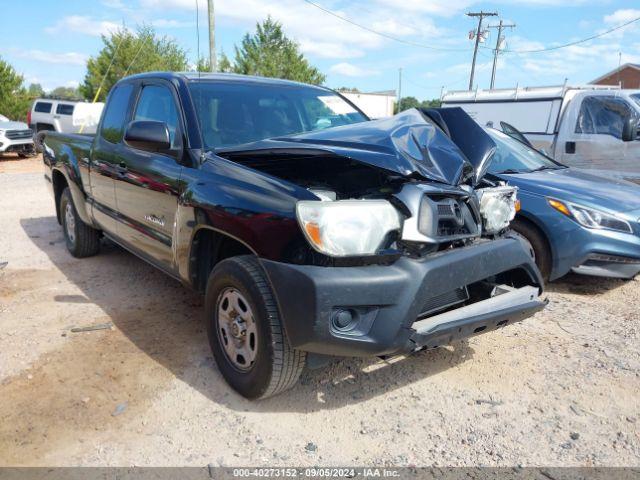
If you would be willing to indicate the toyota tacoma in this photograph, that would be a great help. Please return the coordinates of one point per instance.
(312, 231)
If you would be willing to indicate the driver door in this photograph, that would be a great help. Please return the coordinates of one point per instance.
(148, 184)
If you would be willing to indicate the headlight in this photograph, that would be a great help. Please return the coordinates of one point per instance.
(347, 227)
(590, 218)
(498, 206)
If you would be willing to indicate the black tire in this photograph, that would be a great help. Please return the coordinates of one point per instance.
(277, 366)
(85, 241)
(38, 140)
(538, 243)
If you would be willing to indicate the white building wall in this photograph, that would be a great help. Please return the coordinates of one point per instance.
(374, 105)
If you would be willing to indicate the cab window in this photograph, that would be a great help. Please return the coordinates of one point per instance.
(64, 109)
(605, 115)
(115, 113)
(156, 104)
(43, 107)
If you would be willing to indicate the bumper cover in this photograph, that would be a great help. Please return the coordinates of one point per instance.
(612, 266)
(18, 145)
(387, 300)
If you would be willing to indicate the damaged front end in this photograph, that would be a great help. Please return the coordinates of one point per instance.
(416, 239)
(410, 185)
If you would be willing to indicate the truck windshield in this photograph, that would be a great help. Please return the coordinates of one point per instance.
(512, 156)
(636, 98)
(236, 113)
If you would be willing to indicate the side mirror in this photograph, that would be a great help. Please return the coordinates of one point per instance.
(630, 129)
(148, 135)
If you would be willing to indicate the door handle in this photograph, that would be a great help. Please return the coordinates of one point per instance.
(570, 147)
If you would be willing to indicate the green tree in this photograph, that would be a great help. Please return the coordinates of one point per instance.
(412, 102)
(14, 98)
(435, 103)
(67, 93)
(269, 53)
(130, 52)
(406, 103)
(35, 90)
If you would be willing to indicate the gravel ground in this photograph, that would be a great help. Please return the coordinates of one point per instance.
(561, 388)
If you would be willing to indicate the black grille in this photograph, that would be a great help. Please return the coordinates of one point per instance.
(444, 300)
(444, 209)
(18, 134)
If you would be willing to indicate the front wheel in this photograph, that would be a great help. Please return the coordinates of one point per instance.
(539, 244)
(81, 239)
(246, 336)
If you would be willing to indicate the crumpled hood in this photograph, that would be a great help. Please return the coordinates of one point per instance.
(579, 186)
(13, 126)
(406, 143)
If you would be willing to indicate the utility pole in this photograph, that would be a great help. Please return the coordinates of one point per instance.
(399, 87)
(500, 27)
(212, 37)
(480, 16)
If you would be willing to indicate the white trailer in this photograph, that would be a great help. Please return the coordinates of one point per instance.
(590, 126)
(374, 104)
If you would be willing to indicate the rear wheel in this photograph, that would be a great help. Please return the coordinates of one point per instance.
(81, 239)
(539, 244)
(246, 336)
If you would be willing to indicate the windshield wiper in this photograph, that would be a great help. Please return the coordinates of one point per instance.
(510, 171)
(544, 167)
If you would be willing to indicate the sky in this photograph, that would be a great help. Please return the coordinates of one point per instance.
(49, 42)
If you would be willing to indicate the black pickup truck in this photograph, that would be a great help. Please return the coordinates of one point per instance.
(312, 231)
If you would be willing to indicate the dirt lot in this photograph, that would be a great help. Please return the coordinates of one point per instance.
(561, 388)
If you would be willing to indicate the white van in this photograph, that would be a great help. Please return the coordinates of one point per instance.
(63, 116)
(594, 127)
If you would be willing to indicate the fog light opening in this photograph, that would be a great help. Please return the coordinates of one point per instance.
(344, 319)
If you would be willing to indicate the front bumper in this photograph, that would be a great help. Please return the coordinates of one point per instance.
(602, 253)
(16, 146)
(385, 301)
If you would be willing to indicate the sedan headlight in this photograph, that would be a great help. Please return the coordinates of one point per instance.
(590, 218)
(498, 206)
(347, 227)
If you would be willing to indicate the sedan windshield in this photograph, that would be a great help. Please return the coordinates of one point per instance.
(512, 156)
(235, 113)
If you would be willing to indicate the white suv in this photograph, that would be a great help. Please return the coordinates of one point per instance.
(15, 137)
(62, 116)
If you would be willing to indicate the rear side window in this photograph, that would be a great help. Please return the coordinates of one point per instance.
(603, 115)
(115, 113)
(64, 109)
(43, 107)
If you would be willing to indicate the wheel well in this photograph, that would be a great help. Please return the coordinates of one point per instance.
(207, 249)
(59, 184)
(543, 235)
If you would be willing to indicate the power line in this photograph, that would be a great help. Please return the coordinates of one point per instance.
(382, 34)
(577, 42)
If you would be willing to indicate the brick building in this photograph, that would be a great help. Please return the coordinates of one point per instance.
(627, 76)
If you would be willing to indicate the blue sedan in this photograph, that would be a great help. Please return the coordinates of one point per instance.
(575, 221)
